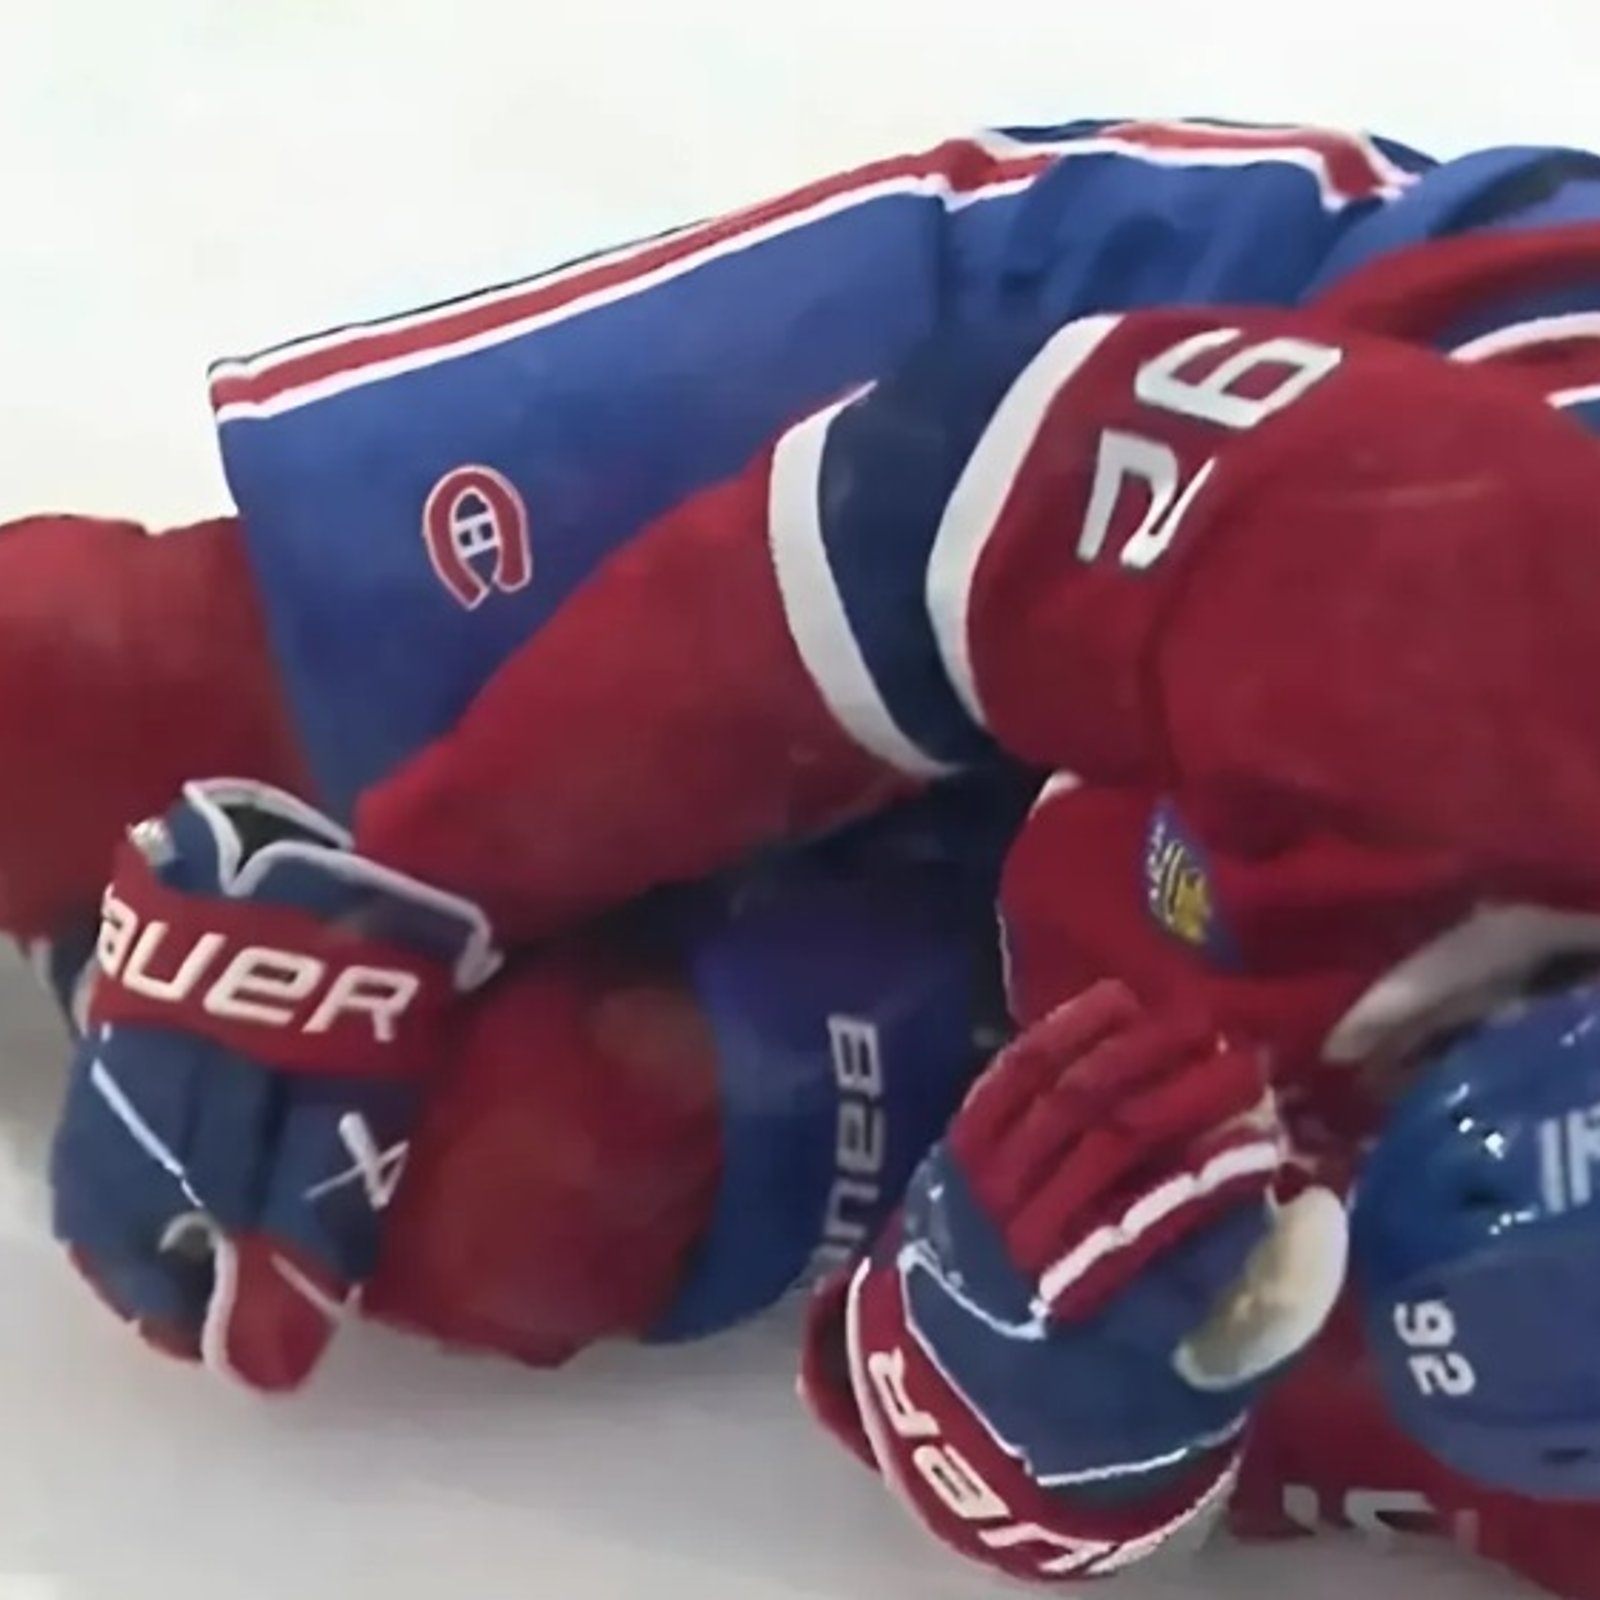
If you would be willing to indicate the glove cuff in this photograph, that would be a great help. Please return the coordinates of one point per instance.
(949, 1470)
(266, 982)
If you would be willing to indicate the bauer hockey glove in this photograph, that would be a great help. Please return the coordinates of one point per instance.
(1054, 1352)
(264, 1008)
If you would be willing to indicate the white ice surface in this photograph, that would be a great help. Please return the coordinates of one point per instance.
(183, 178)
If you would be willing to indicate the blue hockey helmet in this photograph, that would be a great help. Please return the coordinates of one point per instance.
(1475, 1244)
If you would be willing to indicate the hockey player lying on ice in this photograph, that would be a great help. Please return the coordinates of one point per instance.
(637, 575)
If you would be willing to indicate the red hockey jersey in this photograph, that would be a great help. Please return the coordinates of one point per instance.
(1304, 616)
(1299, 606)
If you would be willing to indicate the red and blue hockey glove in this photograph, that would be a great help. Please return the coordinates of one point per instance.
(1055, 1351)
(265, 1008)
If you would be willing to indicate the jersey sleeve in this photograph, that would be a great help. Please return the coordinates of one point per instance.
(482, 457)
(1521, 298)
(1233, 557)
(1282, 946)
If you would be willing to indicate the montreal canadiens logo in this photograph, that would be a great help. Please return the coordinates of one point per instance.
(475, 527)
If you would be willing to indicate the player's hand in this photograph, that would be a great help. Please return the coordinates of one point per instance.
(264, 1008)
(1092, 1277)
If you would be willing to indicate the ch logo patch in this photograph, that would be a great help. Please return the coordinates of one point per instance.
(1178, 889)
(475, 528)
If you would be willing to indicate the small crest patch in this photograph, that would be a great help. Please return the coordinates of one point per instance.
(1178, 887)
(475, 530)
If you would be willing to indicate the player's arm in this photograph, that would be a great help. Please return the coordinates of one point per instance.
(127, 665)
(1233, 555)
(488, 454)
(1324, 948)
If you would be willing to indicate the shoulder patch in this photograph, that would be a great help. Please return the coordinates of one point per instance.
(1178, 887)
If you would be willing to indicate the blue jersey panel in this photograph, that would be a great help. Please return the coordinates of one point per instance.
(1147, 214)
(851, 1015)
(1502, 188)
(382, 554)
(416, 513)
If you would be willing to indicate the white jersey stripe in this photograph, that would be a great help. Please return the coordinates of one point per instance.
(266, 361)
(1364, 173)
(332, 362)
(1568, 327)
(1584, 394)
(814, 608)
(984, 490)
(960, 174)
(427, 353)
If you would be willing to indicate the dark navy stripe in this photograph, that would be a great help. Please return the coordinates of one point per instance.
(888, 470)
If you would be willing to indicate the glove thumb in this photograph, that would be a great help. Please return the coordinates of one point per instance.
(270, 1317)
